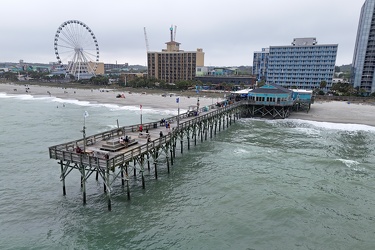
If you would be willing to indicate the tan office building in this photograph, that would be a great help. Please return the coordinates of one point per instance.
(99, 67)
(172, 64)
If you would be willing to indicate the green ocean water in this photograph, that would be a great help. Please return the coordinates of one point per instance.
(261, 184)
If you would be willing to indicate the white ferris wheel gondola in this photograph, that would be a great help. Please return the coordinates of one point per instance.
(76, 49)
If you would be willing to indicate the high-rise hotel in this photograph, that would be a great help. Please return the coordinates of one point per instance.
(363, 65)
(172, 64)
(260, 64)
(304, 64)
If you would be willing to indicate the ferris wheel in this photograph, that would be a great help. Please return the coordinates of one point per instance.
(76, 49)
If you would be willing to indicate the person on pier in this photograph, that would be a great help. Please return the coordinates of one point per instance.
(78, 150)
(162, 121)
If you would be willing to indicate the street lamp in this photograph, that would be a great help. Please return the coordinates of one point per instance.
(178, 111)
(86, 114)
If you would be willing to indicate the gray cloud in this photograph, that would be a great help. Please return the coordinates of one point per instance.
(228, 31)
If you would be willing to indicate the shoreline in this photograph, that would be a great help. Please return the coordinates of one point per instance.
(146, 98)
(321, 111)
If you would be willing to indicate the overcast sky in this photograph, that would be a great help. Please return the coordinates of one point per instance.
(227, 31)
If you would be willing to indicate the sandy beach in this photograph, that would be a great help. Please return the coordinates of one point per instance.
(339, 112)
(96, 95)
(335, 111)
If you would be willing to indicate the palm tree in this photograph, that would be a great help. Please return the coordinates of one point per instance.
(323, 84)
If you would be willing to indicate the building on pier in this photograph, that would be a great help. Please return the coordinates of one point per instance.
(270, 100)
(302, 99)
(270, 95)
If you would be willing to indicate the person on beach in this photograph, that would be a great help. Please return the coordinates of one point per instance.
(78, 150)
(140, 128)
(161, 134)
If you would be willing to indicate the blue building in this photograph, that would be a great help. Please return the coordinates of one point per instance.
(302, 95)
(270, 100)
(363, 69)
(260, 64)
(271, 95)
(303, 65)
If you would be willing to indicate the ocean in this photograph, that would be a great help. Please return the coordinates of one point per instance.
(261, 184)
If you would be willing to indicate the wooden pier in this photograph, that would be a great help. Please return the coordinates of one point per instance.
(110, 157)
(113, 160)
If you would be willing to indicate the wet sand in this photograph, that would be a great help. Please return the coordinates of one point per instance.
(335, 111)
(339, 112)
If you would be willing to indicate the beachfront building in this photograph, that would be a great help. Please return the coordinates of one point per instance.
(363, 69)
(270, 100)
(260, 64)
(172, 64)
(304, 64)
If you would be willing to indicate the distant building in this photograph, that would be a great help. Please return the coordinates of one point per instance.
(364, 53)
(339, 80)
(172, 64)
(260, 64)
(303, 65)
(99, 68)
(215, 71)
(112, 66)
(202, 71)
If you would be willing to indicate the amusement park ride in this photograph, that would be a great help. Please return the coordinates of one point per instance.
(76, 49)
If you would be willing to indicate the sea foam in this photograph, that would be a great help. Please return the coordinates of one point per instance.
(111, 107)
(323, 125)
(336, 126)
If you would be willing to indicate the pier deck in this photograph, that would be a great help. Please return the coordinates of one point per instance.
(97, 152)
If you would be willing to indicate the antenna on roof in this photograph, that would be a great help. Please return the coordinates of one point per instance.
(171, 29)
(174, 35)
